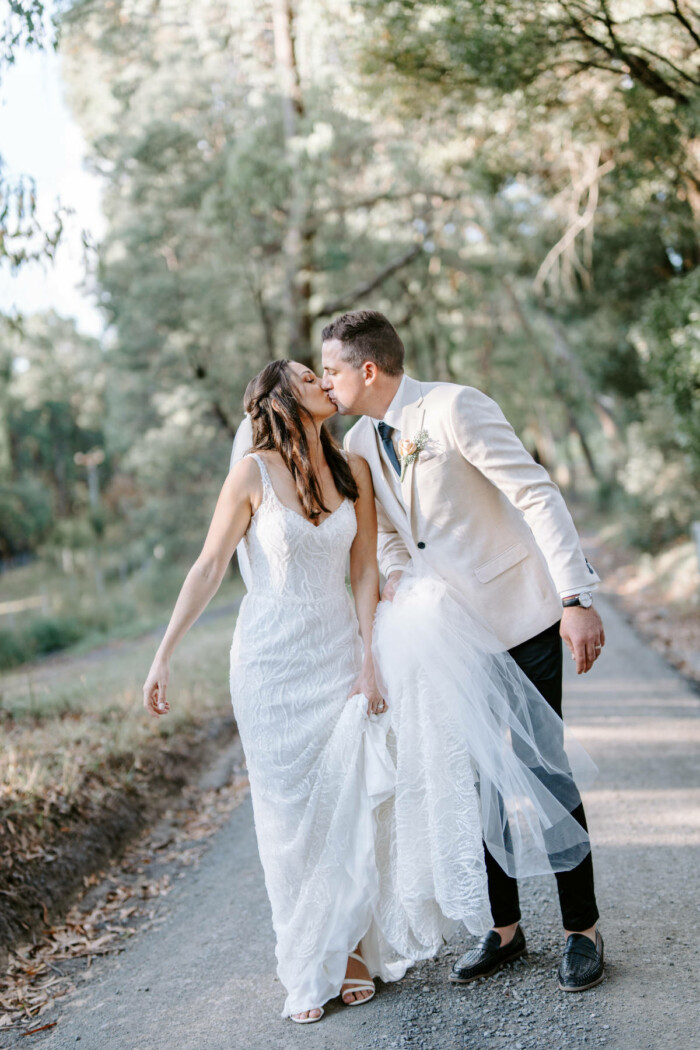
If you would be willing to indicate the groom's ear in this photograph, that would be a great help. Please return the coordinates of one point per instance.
(369, 372)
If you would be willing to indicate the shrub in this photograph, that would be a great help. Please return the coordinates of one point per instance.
(51, 633)
(14, 649)
(25, 516)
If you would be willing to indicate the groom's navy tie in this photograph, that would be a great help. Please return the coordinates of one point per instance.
(385, 432)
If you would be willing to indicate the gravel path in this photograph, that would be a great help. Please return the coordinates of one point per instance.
(204, 979)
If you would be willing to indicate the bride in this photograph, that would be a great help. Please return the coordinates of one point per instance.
(382, 740)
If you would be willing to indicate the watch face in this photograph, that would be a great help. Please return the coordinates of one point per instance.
(586, 599)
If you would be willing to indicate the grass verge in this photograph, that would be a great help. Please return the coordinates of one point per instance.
(83, 768)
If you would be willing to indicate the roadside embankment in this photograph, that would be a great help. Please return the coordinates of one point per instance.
(83, 769)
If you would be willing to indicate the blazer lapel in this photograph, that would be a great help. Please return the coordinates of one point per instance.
(411, 424)
(383, 488)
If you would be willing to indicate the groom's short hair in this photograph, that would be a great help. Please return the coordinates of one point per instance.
(367, 335)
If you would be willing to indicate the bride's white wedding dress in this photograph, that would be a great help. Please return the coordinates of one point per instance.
(370, 827)
(318, 765)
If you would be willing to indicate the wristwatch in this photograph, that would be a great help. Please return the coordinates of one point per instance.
(584, 599)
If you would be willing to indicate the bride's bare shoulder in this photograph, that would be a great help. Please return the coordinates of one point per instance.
(270, 457)
(244, 476)
(359, 467)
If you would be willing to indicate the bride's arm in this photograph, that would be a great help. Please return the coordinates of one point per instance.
(239, 495)
(364, 578)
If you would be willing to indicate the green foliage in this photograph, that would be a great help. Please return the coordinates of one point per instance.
(583, 125)
(50, 633)
(25, 516)
(533, 169)
(45, 635)
(14, 649)
(659, 481)
(25, 26)
(51, 407)
(669, 342)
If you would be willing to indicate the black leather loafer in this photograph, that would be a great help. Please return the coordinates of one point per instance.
(487, 957)
(582, 963)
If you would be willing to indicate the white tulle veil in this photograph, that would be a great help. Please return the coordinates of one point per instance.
(460, 703)
(242, 444)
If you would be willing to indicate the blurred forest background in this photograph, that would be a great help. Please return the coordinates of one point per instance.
(516, 185)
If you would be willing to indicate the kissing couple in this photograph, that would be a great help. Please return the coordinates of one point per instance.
(405, 753)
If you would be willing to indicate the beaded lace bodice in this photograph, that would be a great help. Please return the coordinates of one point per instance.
(292, 559)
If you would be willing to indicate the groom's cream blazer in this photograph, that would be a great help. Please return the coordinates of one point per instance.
(484, 515)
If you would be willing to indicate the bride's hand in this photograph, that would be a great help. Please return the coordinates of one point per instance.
(367, 685)
(393, 581)
(154, 690)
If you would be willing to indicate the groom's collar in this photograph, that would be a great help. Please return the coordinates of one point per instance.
(409, 391)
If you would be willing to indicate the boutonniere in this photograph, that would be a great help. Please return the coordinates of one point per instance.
(410, 449)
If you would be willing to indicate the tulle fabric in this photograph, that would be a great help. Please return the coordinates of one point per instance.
(470, 732)
(242, 443)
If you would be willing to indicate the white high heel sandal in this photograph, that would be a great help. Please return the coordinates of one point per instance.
(307, 1020)
(362, 985)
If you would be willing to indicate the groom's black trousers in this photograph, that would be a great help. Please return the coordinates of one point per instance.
(540, 658)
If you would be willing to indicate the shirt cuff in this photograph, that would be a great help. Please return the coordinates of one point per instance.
(571, 591)
(393, 568)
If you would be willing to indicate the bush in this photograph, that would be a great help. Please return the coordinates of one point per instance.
(48, 634)
(51, 633)
(668, 341)
(106, 617)
(25, 516)
(14, 649)
(161, 581)
(659, 480)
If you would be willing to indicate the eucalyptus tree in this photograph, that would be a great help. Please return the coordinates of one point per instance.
(233, 167)
(582, 120)
(250, 194)
(26, 26)
(52, 406)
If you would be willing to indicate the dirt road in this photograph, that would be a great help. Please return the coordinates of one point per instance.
(204, 979)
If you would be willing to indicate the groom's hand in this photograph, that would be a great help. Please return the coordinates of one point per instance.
(392, 582)
(583, 632)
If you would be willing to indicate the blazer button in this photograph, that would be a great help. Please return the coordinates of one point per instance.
(420, 545)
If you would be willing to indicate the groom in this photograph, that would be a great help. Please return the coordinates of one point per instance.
(452, 480)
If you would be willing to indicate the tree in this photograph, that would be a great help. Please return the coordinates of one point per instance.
(239, 216)
(22, 238)
(579, 117)
(51, 407)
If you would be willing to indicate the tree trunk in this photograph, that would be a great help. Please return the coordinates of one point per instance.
(572, 419)
(299, 238)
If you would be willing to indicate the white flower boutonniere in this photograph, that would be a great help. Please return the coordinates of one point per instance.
(410, 449)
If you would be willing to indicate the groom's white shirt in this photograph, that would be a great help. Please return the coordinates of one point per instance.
(485, 516)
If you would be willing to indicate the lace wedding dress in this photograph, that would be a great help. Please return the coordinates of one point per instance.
(318, 764)
(370, 827)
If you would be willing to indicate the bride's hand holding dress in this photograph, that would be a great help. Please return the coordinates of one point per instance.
(366, 685)
(364, 581)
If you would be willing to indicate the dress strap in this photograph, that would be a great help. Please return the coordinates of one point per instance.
(268, 490)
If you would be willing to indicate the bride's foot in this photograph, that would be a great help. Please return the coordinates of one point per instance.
(307, 1016)
(357, 985)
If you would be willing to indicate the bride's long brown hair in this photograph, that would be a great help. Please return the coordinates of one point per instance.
(281, 428)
